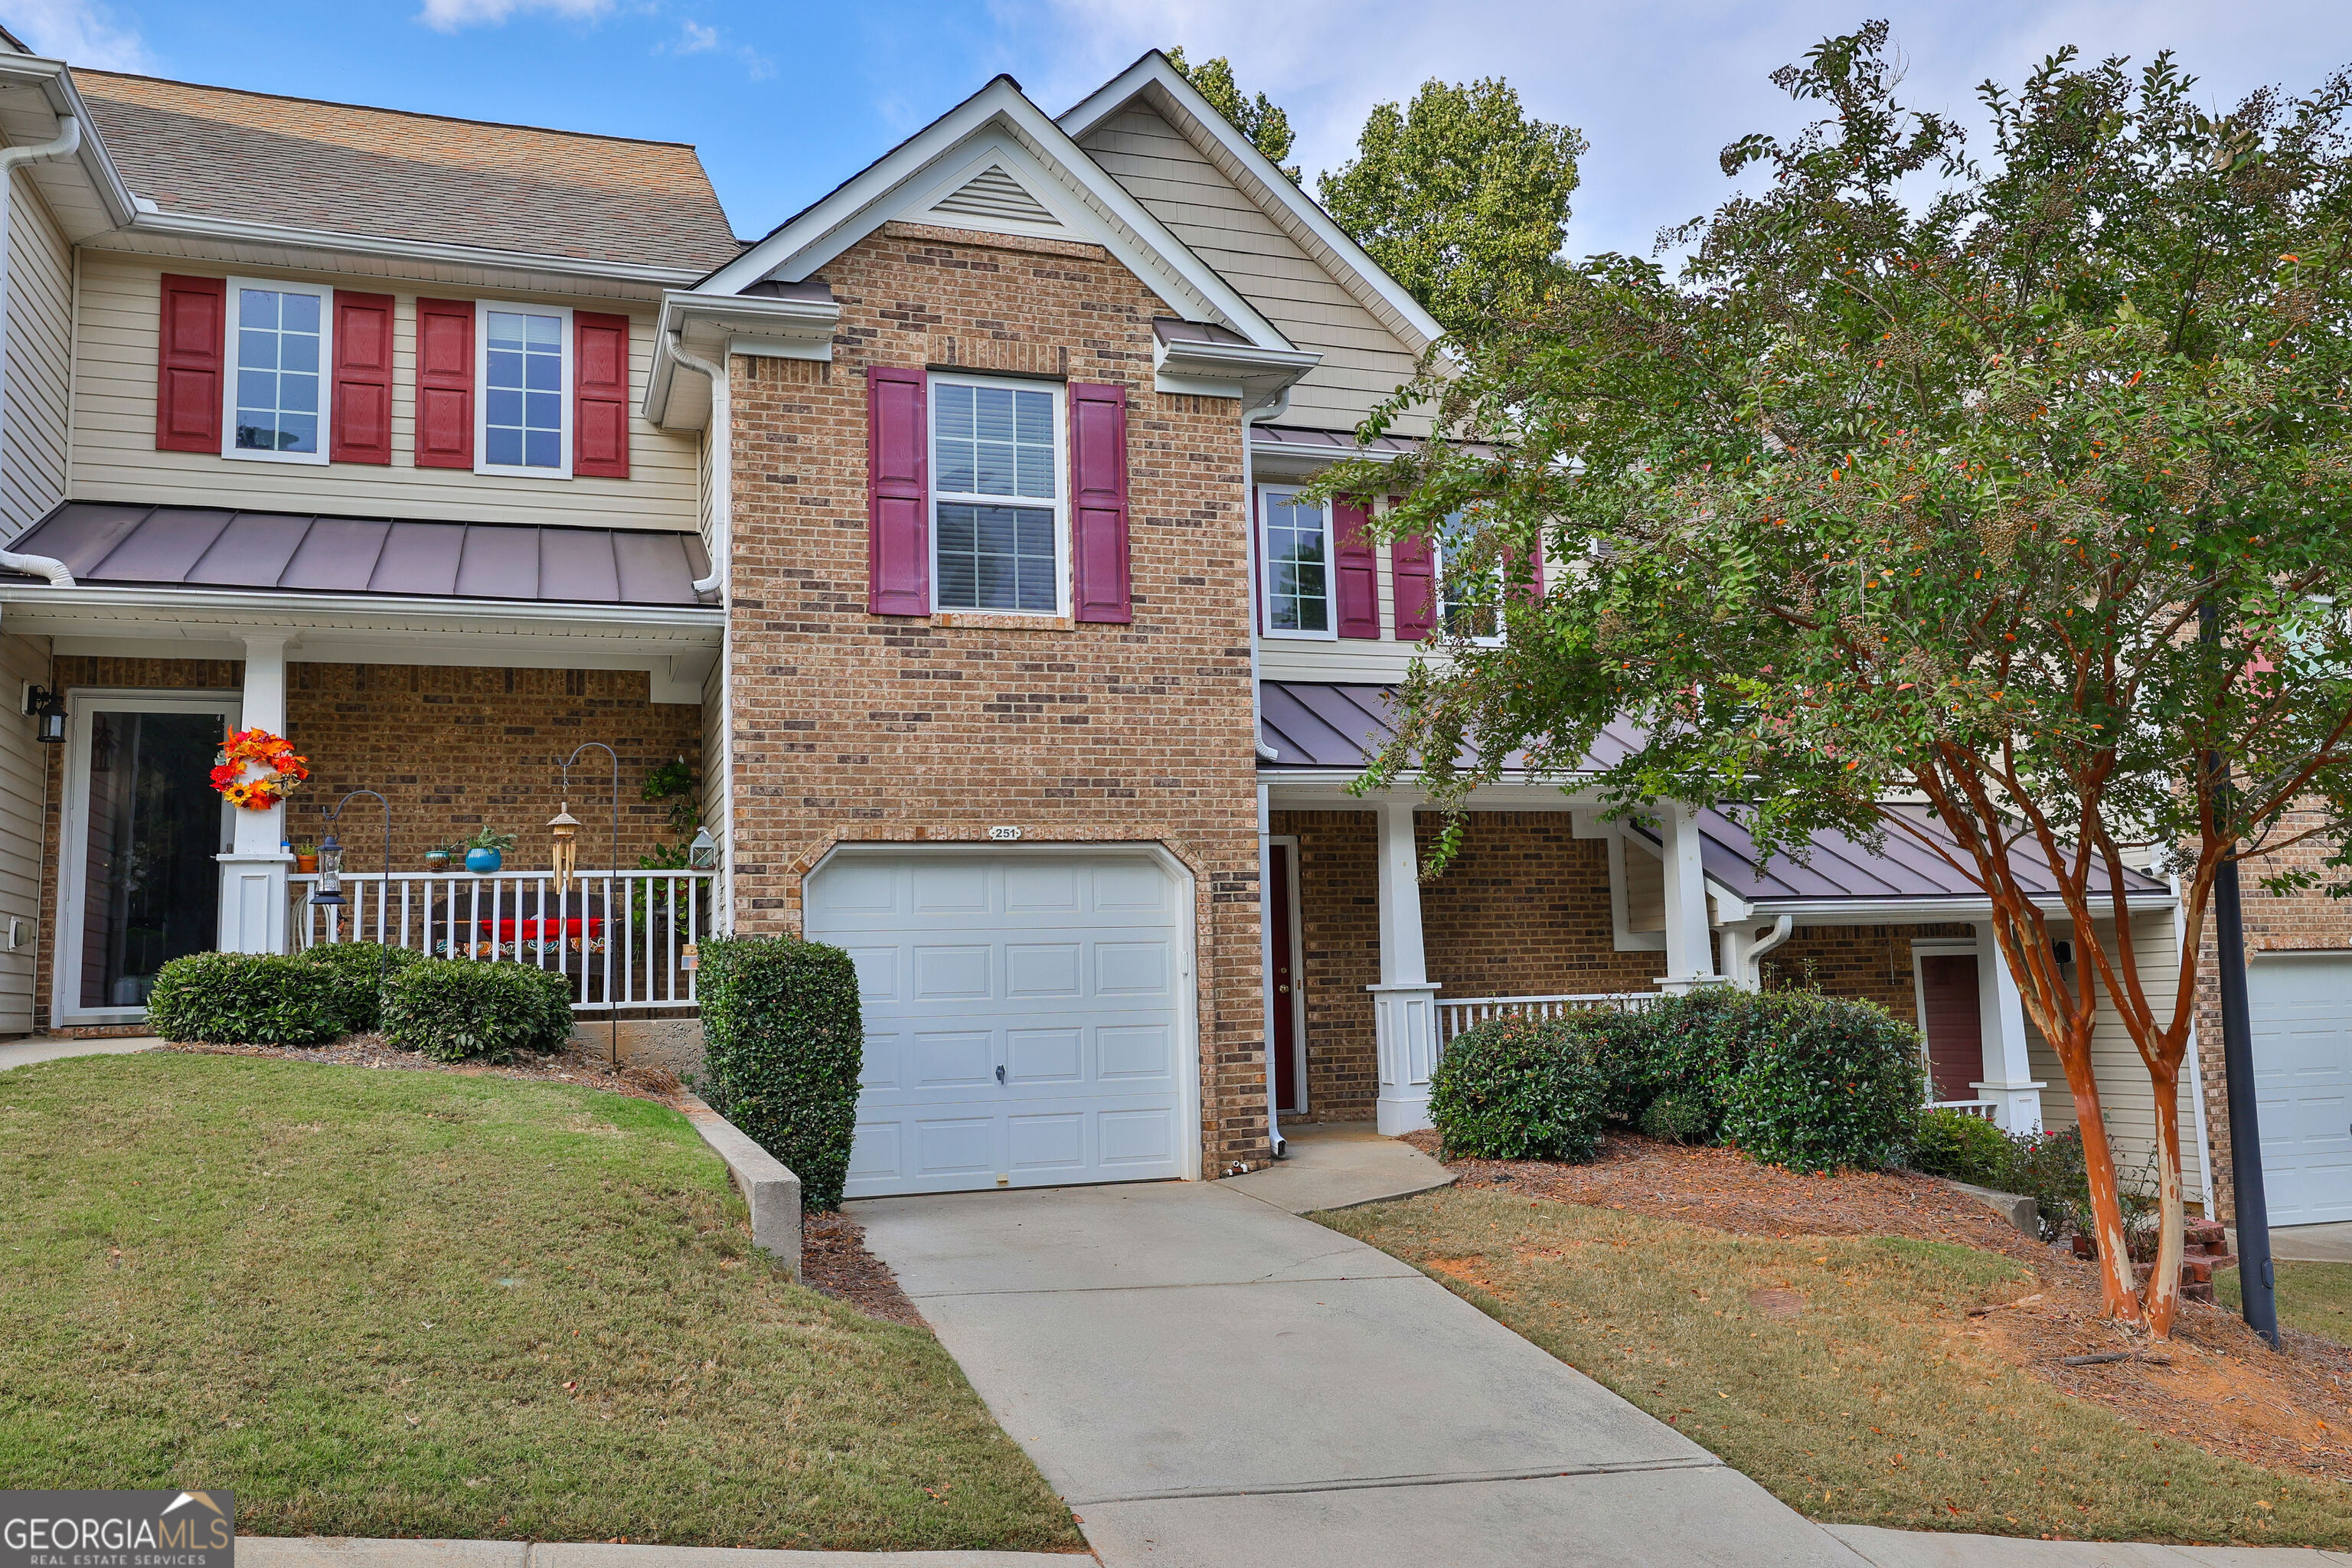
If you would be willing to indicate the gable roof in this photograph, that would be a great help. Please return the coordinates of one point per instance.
(1155, 79)
(224, 153)
(996, 128)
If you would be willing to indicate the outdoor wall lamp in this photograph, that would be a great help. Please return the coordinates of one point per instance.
(48, 713)
(703, 853)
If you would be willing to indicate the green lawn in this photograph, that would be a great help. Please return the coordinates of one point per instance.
(1871, 1406)
(2314, 1297)
(389, 1303)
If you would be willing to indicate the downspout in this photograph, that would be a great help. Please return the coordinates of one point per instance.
(68, 140)
(722, 546)
(1749, 966)
(1274, 410)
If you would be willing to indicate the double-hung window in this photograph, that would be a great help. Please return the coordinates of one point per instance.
(1469, 600)
(998, 495)
(1296, 544)
(282, 336)
(524, 377)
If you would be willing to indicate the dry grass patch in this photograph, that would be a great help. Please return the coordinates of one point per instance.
(1842, 1372)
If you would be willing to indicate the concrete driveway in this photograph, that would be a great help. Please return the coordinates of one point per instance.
(1211, 1380)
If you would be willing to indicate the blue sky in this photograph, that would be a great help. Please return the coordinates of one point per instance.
(785, 100)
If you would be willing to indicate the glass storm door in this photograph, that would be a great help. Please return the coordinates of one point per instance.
(144, 825)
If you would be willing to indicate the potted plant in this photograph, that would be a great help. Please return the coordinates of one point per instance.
(306, 857)
(486, 851)
(438, 858)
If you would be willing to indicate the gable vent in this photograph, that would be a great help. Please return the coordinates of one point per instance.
(996, 195)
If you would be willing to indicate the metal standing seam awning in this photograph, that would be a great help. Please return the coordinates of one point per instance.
(371, 589)
(1339, 727)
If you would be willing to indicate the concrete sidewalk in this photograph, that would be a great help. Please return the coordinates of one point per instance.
(56, 1048)
(332, 1552)
(1210, 1379)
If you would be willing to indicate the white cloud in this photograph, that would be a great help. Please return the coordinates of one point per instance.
(1658, 86)
(695, 39)
(79, 32)
(451, 16)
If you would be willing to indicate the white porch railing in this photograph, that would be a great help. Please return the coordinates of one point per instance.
(1454, 1015)
(618, 935)
(1985, 1110)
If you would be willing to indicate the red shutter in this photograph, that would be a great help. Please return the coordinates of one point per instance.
(1413, 570)
(444, 383)
(897, 494)
(188, 363)
(359, 425)
(1359, 570)
(599, 396)
(1535, 573)
(1099, 588)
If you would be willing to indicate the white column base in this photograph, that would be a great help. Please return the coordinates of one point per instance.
(1684, 985)
(1405, 1030)
(253, 901)
(2016, 1107)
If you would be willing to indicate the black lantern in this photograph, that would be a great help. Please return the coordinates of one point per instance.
(329, 888)
(49, 713)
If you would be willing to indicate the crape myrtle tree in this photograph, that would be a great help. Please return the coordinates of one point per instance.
(2018, 486)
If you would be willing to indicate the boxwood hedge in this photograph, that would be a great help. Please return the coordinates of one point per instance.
(457, 1009)
(361, 971)
(244, 998)
(1519, 1088)
(784, 1043)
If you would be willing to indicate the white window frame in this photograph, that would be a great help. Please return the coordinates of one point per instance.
(1330, 631)
(482, 464)
(1443, 610)
(1061, 503)
(325, 294)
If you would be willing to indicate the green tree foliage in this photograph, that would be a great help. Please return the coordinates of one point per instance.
(1260, 118)
(1920, 478)
(1463, 198)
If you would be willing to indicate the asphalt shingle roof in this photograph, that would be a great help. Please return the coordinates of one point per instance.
(352, 170)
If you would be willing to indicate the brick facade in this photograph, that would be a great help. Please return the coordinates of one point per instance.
(452, 748)
(849, 726)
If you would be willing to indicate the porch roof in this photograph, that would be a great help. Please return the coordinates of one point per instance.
(1340, 726)
(213, 548)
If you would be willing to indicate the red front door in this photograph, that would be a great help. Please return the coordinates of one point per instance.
(1287, 1095)
(1947, 997)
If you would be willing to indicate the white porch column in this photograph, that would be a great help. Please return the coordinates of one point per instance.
(253, 872)
(1404, 1004)
(1690, 956)
(2009, 1080)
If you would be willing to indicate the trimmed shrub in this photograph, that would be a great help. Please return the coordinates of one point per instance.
(1671, 1119)
(244, 998)
(1519, 1088)
(1829, 1084)
(782, 1043)
(1964, 1148)
(457, 1009)
(2048, 1168)
(362, 970)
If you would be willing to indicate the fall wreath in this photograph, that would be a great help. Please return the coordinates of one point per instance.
(283, 771)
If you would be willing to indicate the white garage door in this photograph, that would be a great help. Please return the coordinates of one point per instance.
(2303, 1081)
(1023, 1017)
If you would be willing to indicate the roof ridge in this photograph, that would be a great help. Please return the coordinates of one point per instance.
(81, 72)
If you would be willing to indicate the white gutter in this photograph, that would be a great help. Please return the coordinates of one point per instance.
(784, 328)
(68, 141)
(255, 607)
(1266, 753)
(722, 545)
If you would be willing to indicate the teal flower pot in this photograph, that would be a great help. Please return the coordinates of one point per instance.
(482, 862)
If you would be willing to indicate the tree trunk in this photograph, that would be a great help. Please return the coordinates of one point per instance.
(2118, 1290)
(2164, 1281)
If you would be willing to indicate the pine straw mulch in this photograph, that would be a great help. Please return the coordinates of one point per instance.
(833, 1258)
(2213, 1383)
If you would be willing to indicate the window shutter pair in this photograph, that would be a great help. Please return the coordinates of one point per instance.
(897, 491)
(445, 389)
(192, 365)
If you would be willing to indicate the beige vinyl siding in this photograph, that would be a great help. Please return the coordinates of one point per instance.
(40, 353)
(1645, 887)
(23, 777)
(115, 459)
(1363, 362)
(2125, 1092)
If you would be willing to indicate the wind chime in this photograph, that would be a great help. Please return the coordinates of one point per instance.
(564, 829)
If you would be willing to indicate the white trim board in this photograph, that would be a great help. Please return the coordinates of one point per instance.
(1002, 126)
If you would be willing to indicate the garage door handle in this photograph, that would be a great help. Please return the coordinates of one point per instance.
(1000, 1075)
